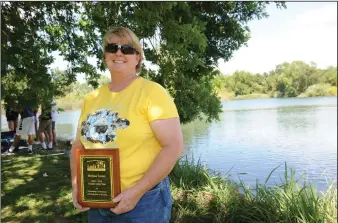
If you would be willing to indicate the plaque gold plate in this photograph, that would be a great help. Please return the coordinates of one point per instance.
(98, 177)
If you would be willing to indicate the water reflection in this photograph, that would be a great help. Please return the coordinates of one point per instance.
(297, 118)
(255, 141)
(195, 134)
(66, 124)
(66, 131)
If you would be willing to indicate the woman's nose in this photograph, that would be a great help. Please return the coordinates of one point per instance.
(119, 52)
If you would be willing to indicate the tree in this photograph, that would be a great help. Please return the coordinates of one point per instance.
(61, 83)
(286, 80)
(185, 40)
(330, 76)
(30, 32)
(103, 80)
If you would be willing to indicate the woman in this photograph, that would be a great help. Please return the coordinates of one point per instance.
(145, 128)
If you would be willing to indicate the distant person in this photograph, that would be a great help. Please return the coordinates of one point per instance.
(36, 139)
(26, 127)
(54, 117)
(45, 127)
(12, 118)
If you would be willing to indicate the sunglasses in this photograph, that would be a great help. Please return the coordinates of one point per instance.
(125, 48)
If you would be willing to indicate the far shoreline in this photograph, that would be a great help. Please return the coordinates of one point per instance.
(223, 99)
(265, 96)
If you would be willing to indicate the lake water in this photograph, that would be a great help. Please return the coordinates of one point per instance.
(255, 136)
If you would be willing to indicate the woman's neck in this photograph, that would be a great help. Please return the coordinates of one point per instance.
(120, 82)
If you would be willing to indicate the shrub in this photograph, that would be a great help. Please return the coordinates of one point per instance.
(317, 90)
(332, 91)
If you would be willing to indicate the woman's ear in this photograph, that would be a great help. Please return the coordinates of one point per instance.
(139, 63)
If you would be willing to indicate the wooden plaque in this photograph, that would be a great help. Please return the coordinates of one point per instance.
(98, 177)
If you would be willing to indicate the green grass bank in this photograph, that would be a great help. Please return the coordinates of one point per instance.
(36, 188)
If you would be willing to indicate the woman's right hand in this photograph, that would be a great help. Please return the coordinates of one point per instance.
(75, 201)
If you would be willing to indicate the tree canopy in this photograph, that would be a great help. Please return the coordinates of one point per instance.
(184, 40)
(286, 80)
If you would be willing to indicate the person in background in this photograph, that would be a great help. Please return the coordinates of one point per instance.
(138, 117)
(12, 118)
(25, 127)
(54, 117)
(45, 127)
(36, 139)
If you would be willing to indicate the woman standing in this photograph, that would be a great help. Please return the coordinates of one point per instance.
(138, 117)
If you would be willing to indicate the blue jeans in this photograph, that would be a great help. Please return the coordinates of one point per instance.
(153, 207)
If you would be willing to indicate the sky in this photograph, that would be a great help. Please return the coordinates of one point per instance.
(305, 31)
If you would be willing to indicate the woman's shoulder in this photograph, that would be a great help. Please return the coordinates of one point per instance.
(150, 85)
(154, 90)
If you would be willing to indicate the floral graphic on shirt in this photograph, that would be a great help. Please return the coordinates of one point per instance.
(100, 127)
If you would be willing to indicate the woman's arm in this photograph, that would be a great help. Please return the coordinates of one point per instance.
(169, 134)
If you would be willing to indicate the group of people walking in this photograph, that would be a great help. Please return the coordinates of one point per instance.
(40, 127)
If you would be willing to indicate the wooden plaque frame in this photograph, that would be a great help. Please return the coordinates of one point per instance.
(111, 175)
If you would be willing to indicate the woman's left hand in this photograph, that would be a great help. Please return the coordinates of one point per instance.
(126, 200)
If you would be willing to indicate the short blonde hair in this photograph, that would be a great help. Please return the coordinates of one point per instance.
(129, 36)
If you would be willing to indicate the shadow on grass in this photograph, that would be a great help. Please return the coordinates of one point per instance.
(29, 196)
(191, 214)
(36, 187)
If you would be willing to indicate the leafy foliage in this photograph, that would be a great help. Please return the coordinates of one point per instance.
(317, 90)
(30, 32)
(183, 39)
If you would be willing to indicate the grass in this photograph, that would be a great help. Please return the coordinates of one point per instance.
(252, 96)
(226, 96)
(203, 197)
(28, 196)
(199, 195)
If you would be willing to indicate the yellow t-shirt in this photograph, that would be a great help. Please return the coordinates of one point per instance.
(122, 120)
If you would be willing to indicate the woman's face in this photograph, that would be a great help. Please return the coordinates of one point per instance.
(119, 62)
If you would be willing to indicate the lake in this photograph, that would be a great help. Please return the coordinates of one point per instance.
(255, 136)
